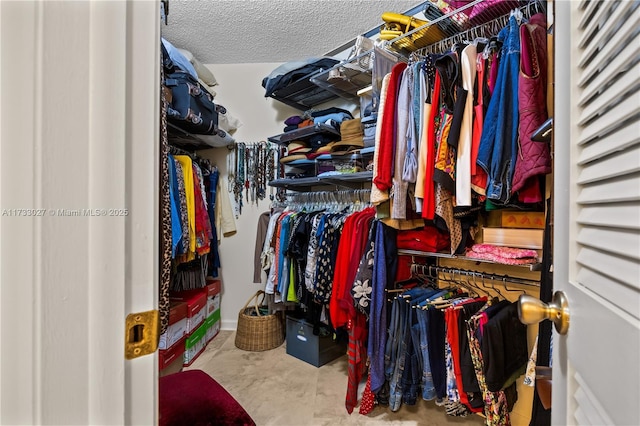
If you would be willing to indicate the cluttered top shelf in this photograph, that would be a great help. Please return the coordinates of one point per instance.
(414, 32)
(304, 132)
(303, 95)
(192, 142)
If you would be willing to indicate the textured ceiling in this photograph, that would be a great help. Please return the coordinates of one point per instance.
(245, 31)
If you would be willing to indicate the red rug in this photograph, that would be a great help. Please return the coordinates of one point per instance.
(194, 398)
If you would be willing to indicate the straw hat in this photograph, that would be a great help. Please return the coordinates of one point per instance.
(296, 150)
(351, 136)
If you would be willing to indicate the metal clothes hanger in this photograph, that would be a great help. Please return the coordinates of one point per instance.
(512, 290)
(493, 287)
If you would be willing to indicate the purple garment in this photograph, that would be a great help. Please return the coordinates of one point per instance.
(294, 120)
(534, 158)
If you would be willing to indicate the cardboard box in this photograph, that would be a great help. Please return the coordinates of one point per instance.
(171, 360)
(213, 305)
(194, 345)
(513, 237)
(515, 219)
(177, 328)
(196, 301)
(213, 325)
(304, 345)
(212, 289)
(214, 286)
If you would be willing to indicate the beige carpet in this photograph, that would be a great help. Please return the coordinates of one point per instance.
(278, 389)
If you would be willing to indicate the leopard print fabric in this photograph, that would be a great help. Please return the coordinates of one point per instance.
(165, 214)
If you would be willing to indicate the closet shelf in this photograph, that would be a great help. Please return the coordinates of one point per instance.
(303, 94)
(304, 133)
(346, 78)
(183, 139)
(530, 267)
(367, 150)
(348, 180)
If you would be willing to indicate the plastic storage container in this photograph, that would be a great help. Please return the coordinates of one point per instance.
(304, 345)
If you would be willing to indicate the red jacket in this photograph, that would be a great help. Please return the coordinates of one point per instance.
(386, 147)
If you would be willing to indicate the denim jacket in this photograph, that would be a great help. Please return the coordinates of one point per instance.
(499, 143)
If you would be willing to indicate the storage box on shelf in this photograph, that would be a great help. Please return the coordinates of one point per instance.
(213, 325)
(515, 219)
(513, 237)
(177, 328)
(172, 360)
(304, 345)
(213, 289)
(196, 301)
(195, 344)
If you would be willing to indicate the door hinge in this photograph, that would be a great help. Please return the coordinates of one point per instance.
(141, 334)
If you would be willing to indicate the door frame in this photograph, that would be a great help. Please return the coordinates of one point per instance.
(79, 123)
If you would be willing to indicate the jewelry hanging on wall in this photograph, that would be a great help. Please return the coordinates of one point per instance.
(240, 175)
(270, 168)
(251, 168)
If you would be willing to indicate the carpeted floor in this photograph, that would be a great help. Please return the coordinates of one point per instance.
(278, 389)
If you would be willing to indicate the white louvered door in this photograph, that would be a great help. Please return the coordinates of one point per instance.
(596, 366)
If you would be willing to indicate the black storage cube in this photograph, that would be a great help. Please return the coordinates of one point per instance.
(304, 345)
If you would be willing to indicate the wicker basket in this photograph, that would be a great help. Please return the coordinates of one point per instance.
(258, 331)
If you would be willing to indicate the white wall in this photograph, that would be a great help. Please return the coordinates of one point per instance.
(240, 91)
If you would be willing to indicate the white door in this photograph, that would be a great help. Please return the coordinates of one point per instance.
(596, 365)
(79, 146)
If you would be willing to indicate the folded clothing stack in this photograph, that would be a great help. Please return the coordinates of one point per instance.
(504, 255)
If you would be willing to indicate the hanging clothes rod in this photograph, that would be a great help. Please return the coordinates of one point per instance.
(179, 151)
(486, 30)
(351, 197)
(432, 271)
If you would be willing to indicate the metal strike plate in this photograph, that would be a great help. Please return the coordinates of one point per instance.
(141, 334)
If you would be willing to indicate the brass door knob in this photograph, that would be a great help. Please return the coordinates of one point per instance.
(532, 311)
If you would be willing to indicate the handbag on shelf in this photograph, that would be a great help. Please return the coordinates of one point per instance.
(258, 330)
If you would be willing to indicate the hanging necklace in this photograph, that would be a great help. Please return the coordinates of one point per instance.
(270, 168)
(240, 176)
(260, 171)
